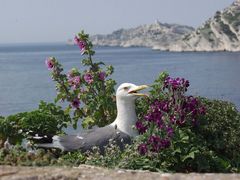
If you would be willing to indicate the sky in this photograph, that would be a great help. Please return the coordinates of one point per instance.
(23, 21)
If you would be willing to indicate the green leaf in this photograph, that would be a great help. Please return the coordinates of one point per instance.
(59, 97)
(178, 150)
(67, 110)
(87, 121)
(191, 155)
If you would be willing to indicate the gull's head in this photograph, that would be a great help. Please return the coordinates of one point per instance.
(130, 91)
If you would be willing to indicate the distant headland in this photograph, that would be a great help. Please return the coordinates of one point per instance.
(219, 33)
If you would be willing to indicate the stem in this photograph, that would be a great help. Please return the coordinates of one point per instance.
(90, 58)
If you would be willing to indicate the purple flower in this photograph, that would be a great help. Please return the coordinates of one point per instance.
(173, 119)
(165, 143)
(140, 127)
(176, 83)
(49, 63)
(154, 139)
(202, 110)
(142, 149)
(81, 44)
(76, 103)
(169, 131)
(180, 122)
(157, 143)
(187, 84)
(88, 78)
(102, 75)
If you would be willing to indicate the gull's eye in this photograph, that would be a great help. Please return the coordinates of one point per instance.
(125, 88)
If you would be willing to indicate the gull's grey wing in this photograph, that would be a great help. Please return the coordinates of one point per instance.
(87, 140)
(100, 137)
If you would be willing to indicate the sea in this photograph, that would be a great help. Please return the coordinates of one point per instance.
(25, 80)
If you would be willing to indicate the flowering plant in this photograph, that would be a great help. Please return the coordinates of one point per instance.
(168, 127)
(167, 113)
(90, 93)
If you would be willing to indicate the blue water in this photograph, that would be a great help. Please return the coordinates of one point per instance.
(24, 79)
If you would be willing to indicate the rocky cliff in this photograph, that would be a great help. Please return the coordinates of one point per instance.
(219, 33)
(145, 35)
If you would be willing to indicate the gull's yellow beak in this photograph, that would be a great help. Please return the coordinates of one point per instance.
(134, 91)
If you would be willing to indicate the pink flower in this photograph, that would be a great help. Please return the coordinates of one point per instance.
(102, 75)
(49, 63)
(81, 44)
(74, 81)
(88, 78)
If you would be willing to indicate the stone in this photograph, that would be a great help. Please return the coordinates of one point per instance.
(98, 173)
(219, 33)
(145, 35)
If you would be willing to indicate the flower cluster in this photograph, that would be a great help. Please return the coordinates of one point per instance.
(165, 115)
(87, 89)
(176, 83)
(81, 44)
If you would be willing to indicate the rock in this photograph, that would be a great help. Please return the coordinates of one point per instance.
(219, 33)
(98, 173)
(145, 35)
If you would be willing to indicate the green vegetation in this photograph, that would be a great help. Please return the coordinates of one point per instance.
(207, 32)
(226, 30)
(233, 19)
(220, 129)
(211, 147)
(178, 133)
(88, 93)
(48, 119)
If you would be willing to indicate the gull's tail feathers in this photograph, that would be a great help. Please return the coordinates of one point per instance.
(55, 143)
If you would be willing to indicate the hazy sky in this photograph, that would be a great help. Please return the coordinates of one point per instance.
(59, 20)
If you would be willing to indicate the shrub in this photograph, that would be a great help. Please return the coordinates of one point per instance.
(72, 159)
(178, 136)
(48, 120)
(90, 94)
(19, 156)
(220, 129)
(178, 133)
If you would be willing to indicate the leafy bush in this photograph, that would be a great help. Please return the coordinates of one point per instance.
(111, 158)
(220, 129)
(170, 138)
(47, 120)
(178, 133)
(191, 146)
(19, 156)
(90, 93)
(72, 159)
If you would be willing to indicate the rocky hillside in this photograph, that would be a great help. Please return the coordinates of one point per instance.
(145, 35)
(219, 33)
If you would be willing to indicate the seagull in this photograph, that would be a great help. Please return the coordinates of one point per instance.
(120, 130)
